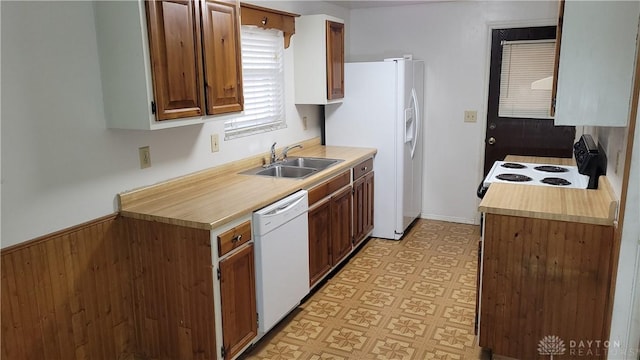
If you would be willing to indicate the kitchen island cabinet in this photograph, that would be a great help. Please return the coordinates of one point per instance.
(547, 259)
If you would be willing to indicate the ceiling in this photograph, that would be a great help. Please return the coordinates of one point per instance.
(378, 3)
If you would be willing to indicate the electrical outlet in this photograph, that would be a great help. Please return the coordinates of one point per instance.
(215, 143)
(304, 123)
(145, 157)
(470, 116)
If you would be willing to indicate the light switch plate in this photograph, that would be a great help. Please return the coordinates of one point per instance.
(145, 157)
(215, 143)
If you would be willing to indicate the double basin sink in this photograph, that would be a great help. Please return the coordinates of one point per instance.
(293, 167)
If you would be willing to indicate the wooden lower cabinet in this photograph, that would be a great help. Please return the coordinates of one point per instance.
(319, 241)
(545, 278)
(362, 207)
(173, 296)
(238, 293)
(329, 233)
(341, 225)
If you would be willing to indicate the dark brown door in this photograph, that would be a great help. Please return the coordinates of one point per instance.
(222, 64)
(362, 207)
(520, 135)
(335, 60)
(238, 293)
(340, 224)
(319, 241)
(174, 41)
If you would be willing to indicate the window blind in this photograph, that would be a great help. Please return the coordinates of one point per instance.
(524, 62)
(263, 83)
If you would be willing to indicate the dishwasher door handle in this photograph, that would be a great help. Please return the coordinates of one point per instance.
(284, 208)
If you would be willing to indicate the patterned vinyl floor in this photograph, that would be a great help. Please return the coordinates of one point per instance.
(408, 299)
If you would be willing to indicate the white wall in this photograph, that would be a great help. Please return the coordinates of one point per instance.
(625, 323)
(60, 165)
(452, 38)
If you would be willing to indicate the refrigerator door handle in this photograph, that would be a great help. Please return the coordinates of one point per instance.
(414, 99)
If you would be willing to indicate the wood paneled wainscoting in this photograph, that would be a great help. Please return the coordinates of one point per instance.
(112, 288)
(68, 295)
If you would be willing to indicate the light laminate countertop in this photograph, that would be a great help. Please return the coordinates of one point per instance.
(214, 197)
(597, 206)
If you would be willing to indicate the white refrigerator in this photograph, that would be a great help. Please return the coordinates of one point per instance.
(383, 108)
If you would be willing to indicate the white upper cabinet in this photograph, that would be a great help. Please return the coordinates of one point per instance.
(319, 60)
(597, 61)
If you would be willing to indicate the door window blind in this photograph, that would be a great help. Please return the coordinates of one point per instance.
(263, 83)
(523, 63)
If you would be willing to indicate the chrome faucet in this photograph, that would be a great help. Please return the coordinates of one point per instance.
(286, 150)
(273, 153)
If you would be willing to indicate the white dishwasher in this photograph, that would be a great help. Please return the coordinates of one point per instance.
(282, 258)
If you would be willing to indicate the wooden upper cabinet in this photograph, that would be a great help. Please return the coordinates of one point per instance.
(319, 60)
(222, 56)
(174, 41)
(335, 60)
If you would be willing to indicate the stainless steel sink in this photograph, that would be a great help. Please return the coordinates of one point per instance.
(286, 171)
(308, 162)
(294, 167)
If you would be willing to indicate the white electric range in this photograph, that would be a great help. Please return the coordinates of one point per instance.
(590, 159)
(536, 174)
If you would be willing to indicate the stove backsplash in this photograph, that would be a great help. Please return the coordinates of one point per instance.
(614, 141)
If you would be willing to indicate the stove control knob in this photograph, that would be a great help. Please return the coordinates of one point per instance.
(491, 140)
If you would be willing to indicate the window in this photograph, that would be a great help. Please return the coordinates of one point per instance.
(525, 78)
(263, 83)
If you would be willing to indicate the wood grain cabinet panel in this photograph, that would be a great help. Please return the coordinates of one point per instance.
(174, 41)
(222, 61)
(362, 207)
(340, 224)
(544, 277)
(234, 238)
(238, 293)
(335, 60)
(319, 241)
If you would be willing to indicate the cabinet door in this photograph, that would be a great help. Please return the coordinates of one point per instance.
(596, 65)
(222, 64)
(174, 41)
(358, 209)
(368, 203)
(319, 241)
(238, 293)
(340, 224)
(335, 60)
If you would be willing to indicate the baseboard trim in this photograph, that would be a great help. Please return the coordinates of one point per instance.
(450, 219)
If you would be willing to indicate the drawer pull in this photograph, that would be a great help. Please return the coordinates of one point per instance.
(364, 168)
(236, 239)
(264, 21)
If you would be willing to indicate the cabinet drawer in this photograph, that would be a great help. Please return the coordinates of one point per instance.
(362, 168)
(329, 187)
(233, 238)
